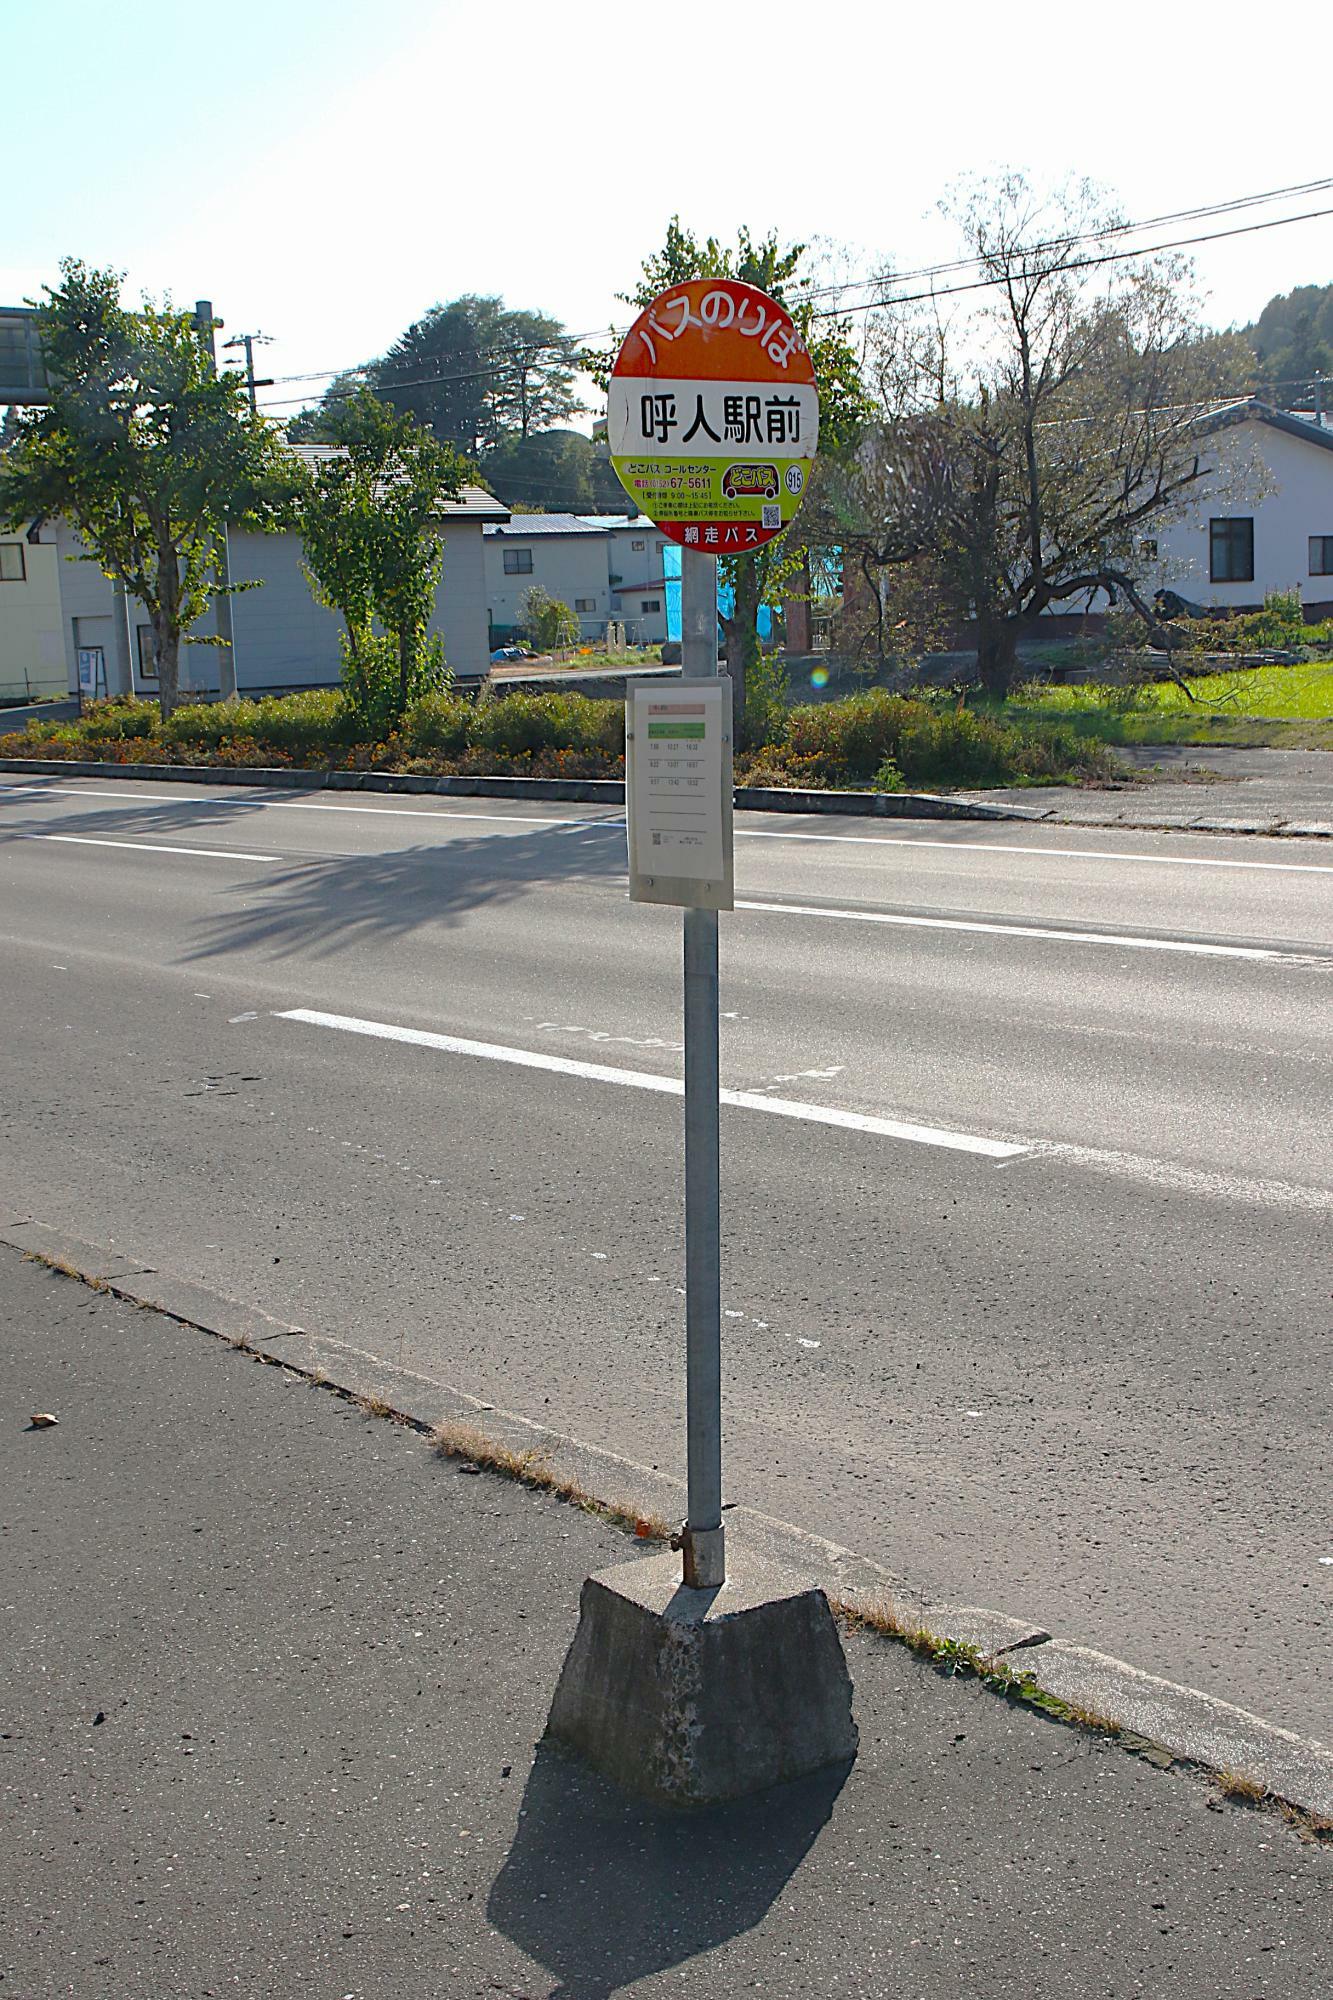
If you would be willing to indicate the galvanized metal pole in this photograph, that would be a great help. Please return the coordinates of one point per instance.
(206, 324)
(704, 1539)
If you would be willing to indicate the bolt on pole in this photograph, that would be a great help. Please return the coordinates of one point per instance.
(704, 1539)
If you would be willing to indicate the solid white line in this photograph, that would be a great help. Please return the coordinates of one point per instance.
(151, 847)
(314, 805)
(1053, 853)
(73, 788)
(1018, 930)
(666, 1086)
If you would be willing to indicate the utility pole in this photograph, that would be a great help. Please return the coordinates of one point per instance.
(206, 325)
(249, 341)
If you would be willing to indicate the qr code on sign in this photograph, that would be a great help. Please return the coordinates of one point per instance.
(770, 516)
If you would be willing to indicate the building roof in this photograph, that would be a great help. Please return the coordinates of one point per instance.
(547, 524)
(473, 503)
(1251, 410)
(611, 523)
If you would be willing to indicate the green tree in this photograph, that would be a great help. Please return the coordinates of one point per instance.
(554, 472)
(1293, 339)
(545, 622)
(369, 520)
(145, 449)
(319, 423)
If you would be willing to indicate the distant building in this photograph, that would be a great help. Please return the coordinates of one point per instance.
(610, 569)
(32, 655)
(1262, 520)
(283, 639)
(563, 554)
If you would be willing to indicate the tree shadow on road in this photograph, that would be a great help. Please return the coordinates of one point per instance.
(344, 902)
(603, 1889)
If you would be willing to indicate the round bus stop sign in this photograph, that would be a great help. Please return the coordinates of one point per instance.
(713, 415)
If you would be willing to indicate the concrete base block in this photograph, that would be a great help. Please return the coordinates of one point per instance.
(694, 1696)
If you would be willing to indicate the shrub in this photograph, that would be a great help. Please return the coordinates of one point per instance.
(314, 723)
(848, 740)
(204, 724)
(518, 724)
(545, 621)
(112, 721)
(311, 724)
(437, 723)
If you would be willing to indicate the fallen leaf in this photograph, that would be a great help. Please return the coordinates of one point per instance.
(42, 1420)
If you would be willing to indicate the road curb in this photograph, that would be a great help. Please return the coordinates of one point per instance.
(586, 791)
(1160, 1718)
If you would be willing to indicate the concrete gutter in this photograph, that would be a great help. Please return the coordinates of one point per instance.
(1160, 1719)
(591, 791)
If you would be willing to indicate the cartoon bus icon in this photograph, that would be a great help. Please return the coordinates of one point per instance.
(750, 482)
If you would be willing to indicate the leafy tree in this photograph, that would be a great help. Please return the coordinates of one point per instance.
(1053, 437)
(545, 622)
(369, 522)
(533, 387)
(473, 372)
(1293, 339)
(554, 472)
(319, 423)
(145, 449)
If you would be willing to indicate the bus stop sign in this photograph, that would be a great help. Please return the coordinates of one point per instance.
(713, 415)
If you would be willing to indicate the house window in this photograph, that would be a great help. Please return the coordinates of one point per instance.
(1321, 555)
(518, 562)
(585, 603)
(637, 545)
(650, 604)
(12, 569)
(1231, 550)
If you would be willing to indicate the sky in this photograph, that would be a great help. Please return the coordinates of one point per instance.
(326, 170)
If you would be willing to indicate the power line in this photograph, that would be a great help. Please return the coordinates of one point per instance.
(1083, 236)
(1236, 203)
(1075, 264)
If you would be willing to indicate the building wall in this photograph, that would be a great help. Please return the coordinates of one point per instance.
(642, 574)
(283, 638)
(571, 567)
(1286, 486)
(32, 654)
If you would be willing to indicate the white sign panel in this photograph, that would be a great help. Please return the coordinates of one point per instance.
(678, 780)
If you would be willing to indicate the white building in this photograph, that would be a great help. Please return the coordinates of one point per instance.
(563, 554)
(1261, 522)
(32, 656)
(605, 567)
(282, 639)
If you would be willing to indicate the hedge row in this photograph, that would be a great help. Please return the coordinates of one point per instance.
(870, 739)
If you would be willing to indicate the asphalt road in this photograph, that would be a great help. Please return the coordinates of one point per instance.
(1035, 1309)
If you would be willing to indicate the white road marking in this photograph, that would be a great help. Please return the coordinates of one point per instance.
(667, 1086)
(315, 805)
(1003, 847)
(1018, 930)
(1042, 853)
(152, 847)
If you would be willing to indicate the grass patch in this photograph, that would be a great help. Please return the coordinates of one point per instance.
(533, 1468)
(1261, 707)
(957, 1660)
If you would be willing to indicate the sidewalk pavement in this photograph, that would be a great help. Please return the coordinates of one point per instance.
(273, 1678)
(1210, 788)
